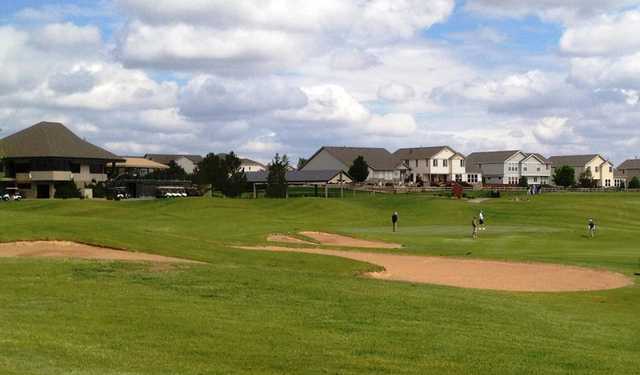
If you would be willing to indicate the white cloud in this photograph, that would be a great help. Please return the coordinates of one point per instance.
(392, 125)
(604, 72)
(67, 35)
(208, 97)
(604, 35)
(396, 92)
(567, 11)
(555, 130)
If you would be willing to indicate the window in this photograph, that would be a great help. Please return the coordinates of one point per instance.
(417, 163)
(597, 169)
(458, 178)
(538, 169)
(96, 168)
(610, 169)
(462, 163)
(435, 162)
(525, 169)
(472, 178)
(535, 179)
(74, 167)
(607, 183)
(445, 162)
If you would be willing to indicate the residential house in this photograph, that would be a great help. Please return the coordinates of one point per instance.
(383, 166)
(48, 154)
(186, 162)
(628, 169)
(619, 179)
(136, 166)
(248, 165)
(433, 165)
(601, 169)
(510, 167)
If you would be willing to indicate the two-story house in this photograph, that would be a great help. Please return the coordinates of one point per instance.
(383, 166)
(510, 167)
(47, 154)
(433, 165)
(601, 169)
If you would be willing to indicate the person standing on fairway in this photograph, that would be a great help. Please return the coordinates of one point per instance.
(394, 220)
(481, 220)
(474, 224)
(592, 228)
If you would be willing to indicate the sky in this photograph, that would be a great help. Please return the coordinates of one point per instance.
(289, 76)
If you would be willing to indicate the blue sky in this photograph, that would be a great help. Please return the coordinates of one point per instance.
(289, 76)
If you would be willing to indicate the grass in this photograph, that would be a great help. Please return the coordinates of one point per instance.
(273, 313)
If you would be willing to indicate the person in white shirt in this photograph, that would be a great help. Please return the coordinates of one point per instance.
(481, 220)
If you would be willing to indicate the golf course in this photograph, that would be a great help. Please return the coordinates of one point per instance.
(226, 307)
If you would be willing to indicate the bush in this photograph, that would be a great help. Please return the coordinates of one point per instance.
(634, 183)
(565, 176)
(359, 170)
(66, 190)
(99, 189)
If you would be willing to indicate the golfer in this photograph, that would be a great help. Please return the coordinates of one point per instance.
(474, 224)
(394, 220)
(481, 217)
(592, 228)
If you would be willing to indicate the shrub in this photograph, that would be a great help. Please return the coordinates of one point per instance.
(359, 170)
(565, 176)
(65, 190)
(634, 183)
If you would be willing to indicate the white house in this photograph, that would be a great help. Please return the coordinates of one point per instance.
(186, 162)
(601, 169)
(383, 166)
(439, 164)
(248, 165)
(509, 167)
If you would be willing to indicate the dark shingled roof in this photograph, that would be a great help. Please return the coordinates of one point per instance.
(421, 152)
(378, 159)
(166, 158)
(573, 160)
(630, 164)
(297, 176)
(489, 157)
(51, 139)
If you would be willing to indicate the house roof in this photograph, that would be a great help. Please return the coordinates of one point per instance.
(421, 152)
(244, 161)
(378, 159)
(167, 158)
(51, 139)
(630, 164)
(320, 176)
(132, 162)
(573, 160)
(489, 157)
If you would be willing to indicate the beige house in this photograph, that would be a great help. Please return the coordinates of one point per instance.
(439, 164)
(186, 162)
(47, 154)
(510, 167)
(383, 166)
(601, 169)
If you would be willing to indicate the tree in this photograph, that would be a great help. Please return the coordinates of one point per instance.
(174, 172)
(223, 172)
(301, 163)
(523, 182)
(564, 176)
(277, 178)
(359, 170)
(586, 179)
(634, 183)
(66, 189)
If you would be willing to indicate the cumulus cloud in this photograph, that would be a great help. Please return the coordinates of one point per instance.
(68, 35)
(604, 35)
(555, 130)
(80, 80)
(209, 97)
(396, 92)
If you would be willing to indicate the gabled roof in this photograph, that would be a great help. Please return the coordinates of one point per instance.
(133, 162)
(414, 153)
(167, 158)
(244, 161)
(378, 159)
(537, 156)
(630, 164)
(320, 176)
(490, 157)
(573, 160)
(54, 140)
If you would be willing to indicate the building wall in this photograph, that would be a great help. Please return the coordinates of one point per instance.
(630, 173)
(186, 164)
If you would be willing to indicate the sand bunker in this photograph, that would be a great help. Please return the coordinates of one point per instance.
(478, 274)
(338, 240)
(283, 238)
(65, 249)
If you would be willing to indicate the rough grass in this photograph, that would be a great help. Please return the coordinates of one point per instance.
(265, 313)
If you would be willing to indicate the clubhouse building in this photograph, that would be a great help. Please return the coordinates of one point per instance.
(40, 158)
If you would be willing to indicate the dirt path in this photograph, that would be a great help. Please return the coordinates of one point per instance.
(478, 274)
(66, 249)
(283, 238)
(338, 240)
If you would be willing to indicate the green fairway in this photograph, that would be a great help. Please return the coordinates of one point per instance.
(249, 312)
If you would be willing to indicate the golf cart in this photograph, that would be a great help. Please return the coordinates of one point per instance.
(11, 194)
(171, 192)
(118, 193)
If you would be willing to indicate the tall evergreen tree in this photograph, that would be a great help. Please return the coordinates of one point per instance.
(359, 170)
(223, 173)
(277, 178)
